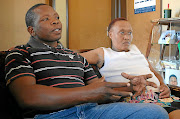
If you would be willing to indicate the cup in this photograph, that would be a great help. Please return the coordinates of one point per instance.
(167, 13)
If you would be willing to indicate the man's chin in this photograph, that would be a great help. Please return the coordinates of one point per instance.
(58, 39)
(55, 39)
(127, 48)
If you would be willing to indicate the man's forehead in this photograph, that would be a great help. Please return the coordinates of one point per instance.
(44, 9)
(123, 25)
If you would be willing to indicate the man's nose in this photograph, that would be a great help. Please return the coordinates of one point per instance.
(56, 21)
(126, 37)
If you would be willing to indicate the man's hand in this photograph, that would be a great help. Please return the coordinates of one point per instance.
(139, 83)
(165, 91)
(104, 92)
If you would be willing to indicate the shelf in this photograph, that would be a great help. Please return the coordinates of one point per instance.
(160, 70)
(166, 21)
(163, 44)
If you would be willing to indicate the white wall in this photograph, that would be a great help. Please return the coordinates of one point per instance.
(60, 6)
(13, 29)
(174, 5)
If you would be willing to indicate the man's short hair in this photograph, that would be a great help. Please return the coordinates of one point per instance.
(172, 76)
(31, 15)
(114, 21)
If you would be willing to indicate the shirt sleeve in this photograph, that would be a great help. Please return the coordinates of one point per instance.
(17, 65)
(89, 73)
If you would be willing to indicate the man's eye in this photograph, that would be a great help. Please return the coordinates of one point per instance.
(45, 19)
(122, 33)
(129, 33)
(57, 17)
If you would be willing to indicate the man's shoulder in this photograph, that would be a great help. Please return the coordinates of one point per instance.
(69, 51)
(19, 49)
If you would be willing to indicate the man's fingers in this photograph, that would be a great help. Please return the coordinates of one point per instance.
(120, 93)
(115, 98)
(140, 89)
(144, 91)
(136, 94)
(124, 94)
(146, 76)
(127, 76)
(148, 83)
(164, 95)
(130, 77)
(116, 85)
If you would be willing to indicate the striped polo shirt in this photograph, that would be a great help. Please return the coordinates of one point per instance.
(56, 67)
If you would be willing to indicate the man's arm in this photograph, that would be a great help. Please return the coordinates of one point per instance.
(164, 89)
(95, 56)
(31, 95)
(122, 89)
(156, 74)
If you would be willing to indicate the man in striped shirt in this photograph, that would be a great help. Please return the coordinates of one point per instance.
(42, 75)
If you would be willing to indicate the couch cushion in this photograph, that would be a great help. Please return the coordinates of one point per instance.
(8, 106)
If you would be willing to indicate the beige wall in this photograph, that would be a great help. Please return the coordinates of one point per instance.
(12, 23)
(60, 6)
(88, 21)
(141, 24)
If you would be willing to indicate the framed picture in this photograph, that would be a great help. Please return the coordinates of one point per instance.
(172, 77)
(167, 37)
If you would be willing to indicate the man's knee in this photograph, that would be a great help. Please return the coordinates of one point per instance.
(146, 110)
(174, 114)
(156, 110)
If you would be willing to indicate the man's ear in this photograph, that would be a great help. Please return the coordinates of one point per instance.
(110, 34)
(31, 31)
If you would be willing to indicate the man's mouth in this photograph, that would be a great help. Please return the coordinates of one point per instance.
(127, 43)
(57, 30)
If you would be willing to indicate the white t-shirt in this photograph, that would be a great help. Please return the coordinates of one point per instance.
(132, 62)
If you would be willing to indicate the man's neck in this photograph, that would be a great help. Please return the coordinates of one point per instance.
(52, 44)
(117, 50)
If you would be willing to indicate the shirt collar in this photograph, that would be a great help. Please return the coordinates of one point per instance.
(134, 49)
(37, 44)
